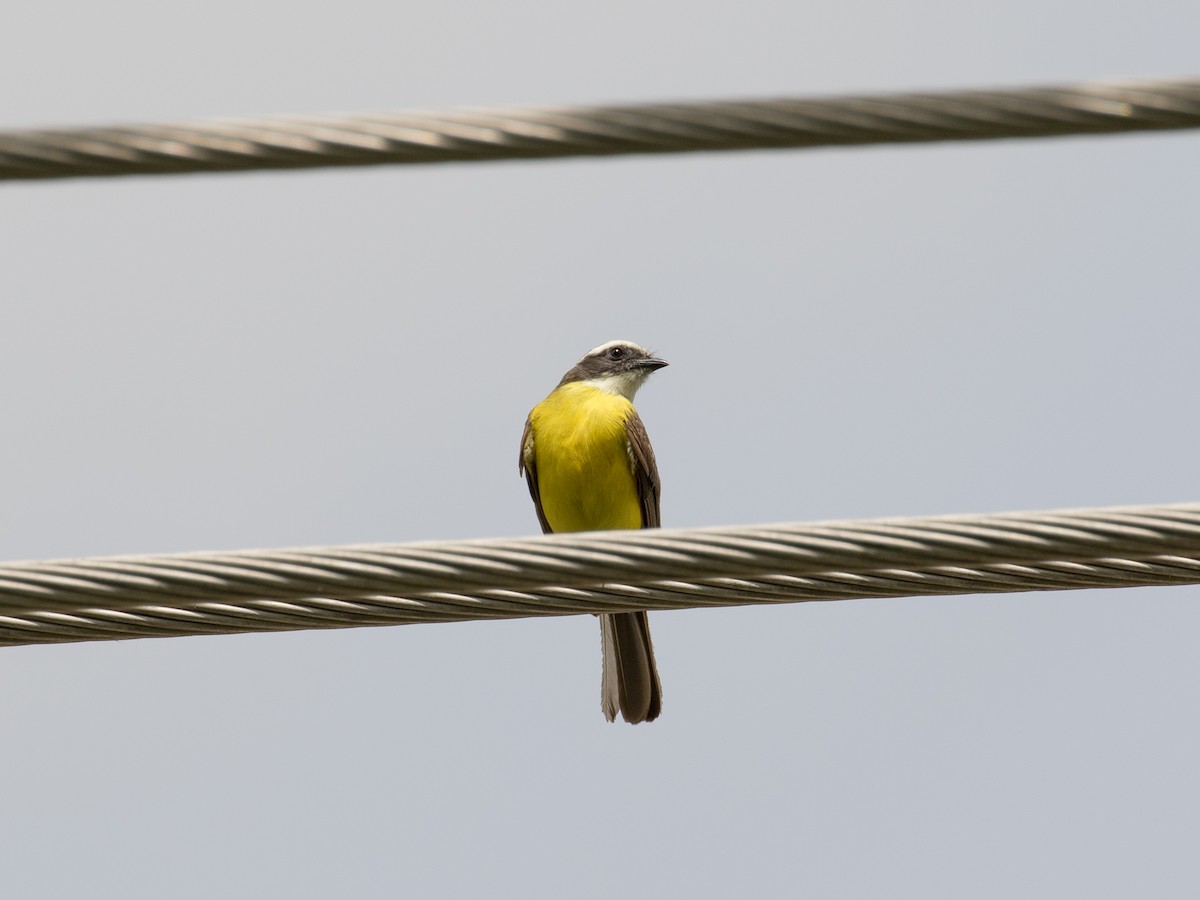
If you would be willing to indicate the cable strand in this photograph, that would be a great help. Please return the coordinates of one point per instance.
(162, 595)
(472, 135)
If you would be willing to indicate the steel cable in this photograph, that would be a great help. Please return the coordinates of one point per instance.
(390, 584)
(470, 134)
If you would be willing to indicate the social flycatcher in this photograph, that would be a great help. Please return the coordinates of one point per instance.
(588, 461)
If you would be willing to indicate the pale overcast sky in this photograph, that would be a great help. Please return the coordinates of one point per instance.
(257, 360)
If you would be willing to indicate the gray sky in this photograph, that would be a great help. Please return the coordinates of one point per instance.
(219, 362)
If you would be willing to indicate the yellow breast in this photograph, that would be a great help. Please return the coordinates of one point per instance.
(584, 467)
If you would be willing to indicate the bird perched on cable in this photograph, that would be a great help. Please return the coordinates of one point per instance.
(588, 461)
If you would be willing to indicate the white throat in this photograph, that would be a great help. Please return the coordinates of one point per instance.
(625, 384)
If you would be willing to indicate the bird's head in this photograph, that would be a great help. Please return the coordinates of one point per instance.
(619, 367)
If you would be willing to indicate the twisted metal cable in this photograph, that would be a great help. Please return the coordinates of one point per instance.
(470, 134)
(391, 584)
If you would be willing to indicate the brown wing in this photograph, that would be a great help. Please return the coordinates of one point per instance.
(527, 465)
(645, 470)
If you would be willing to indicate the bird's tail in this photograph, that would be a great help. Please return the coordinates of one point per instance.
(630, 678)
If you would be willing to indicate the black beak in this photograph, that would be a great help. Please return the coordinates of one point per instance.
(652, 363)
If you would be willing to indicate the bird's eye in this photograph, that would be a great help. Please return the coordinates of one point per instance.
(616, 352)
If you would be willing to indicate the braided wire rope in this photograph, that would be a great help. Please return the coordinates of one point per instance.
(474, 134)
(164, 595)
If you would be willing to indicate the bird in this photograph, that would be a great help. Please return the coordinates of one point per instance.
(589, 466)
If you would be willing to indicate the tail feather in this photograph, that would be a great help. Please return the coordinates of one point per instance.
(629, 681)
